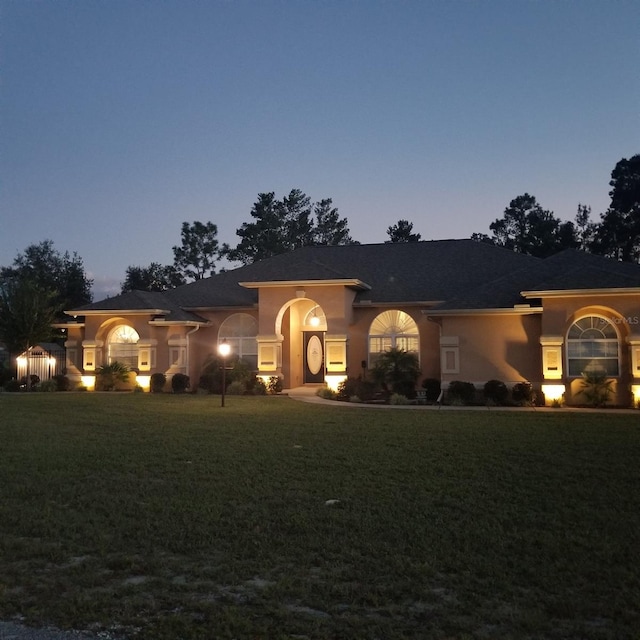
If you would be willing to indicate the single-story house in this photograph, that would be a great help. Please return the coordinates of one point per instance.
(469, 310)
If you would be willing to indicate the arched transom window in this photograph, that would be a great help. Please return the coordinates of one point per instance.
(592, 345)
(392, 329)
(240, 331)
(123, 346)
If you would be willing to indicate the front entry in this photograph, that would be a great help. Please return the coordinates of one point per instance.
(313, 356)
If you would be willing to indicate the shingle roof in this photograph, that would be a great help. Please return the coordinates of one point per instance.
(461, 274)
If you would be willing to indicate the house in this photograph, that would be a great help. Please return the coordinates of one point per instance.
(470, 310)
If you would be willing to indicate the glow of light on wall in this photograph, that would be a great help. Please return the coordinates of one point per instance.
(52, 362)
(22, 361)
(553, 391)
(333, 382)
(635, 389)
(89, 382)
(144, 382)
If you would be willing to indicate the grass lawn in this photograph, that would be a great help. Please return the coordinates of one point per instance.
(167, 517)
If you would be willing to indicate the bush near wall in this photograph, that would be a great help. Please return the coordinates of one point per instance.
(179, 383)
(461, 393)
(496, 392)
(157, 383)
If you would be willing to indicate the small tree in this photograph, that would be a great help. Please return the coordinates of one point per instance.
(596, 387)
(109, 375)
(397, 371)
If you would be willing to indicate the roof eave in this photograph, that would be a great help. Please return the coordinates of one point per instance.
(502, 311)
(567, 293)
(345, 282)
(129, 312)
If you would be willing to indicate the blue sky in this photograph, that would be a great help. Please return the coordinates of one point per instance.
(122, 119)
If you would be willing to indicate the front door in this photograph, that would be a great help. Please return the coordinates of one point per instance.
(313, 356)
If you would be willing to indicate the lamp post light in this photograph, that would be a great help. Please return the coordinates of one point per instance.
(224, 348)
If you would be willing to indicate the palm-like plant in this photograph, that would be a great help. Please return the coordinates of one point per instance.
(110, 374)
(596, 387)
(397, 371)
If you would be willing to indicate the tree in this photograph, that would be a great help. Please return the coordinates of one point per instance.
(330, 229)
(618, 234)
(197, 255)
(61, 273)
(585, 229)
(284, 225)
(397, 370)
(401, 232)
(528, 228)
(27, 312)
(155, 277)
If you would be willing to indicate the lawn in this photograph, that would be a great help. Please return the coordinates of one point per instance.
(168, 517)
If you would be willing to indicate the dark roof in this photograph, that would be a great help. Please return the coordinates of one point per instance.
(460, 274)
(572, 269)
(393, 272)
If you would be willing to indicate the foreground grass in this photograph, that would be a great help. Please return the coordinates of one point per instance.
(169, 517)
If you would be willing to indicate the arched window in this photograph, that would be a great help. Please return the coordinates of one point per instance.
(123, 346)
(240, 331)
(392, 329)
(592, 345)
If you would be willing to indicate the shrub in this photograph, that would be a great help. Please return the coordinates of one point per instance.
(236, 388)
(364, 389)
(236, 370)
(397, 371)
(158, 380)
(63, 383)
(398, 398)
(596, 388)
(48, 386)
(432, 387)
(109, 375)
(461, 392)
(522, 394)
(496, 391)
(274, 385)
(179, 383)
(259, 388)
(12, 386)
(326, 393)
(34, 381)
(355, 399)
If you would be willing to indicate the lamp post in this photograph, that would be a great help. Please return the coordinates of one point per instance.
(223, 350)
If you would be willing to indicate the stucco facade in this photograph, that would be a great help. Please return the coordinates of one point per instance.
(323, 313)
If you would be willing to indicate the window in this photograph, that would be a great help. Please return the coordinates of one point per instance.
(592, 345)
(240, 331)
(123, 346)
(392, 329)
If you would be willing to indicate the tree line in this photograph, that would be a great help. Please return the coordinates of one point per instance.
(42, 282)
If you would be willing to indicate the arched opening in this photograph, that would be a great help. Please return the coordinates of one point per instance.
(240, 331)
(393, 329)
(593, 346)
(122, 346)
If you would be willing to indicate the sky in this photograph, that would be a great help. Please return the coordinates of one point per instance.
(122, 119)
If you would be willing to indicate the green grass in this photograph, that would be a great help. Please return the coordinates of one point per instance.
(168, 517)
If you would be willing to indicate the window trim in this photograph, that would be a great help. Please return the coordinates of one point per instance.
(568, 358)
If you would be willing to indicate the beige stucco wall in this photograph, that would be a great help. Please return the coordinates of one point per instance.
(623, 311)
(500, 347)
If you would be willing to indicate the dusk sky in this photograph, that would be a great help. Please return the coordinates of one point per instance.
(122, 119)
